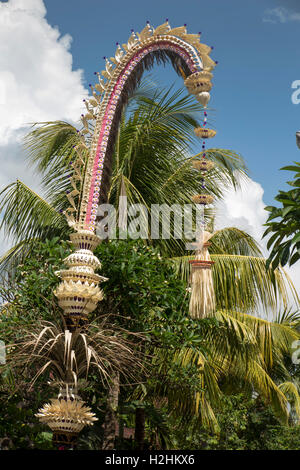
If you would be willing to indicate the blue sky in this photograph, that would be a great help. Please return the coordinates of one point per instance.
(258, 61)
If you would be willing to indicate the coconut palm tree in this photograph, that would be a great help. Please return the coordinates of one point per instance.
(238, 353)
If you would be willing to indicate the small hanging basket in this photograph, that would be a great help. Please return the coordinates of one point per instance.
(85, 240)
(66, 416)
(203, 199)
(204, 133)
(65, 426)
(199, 87)
(203, 165)
(199, 82)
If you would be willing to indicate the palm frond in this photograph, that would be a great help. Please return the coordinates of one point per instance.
(233, 241)
(288, 316)
(243, 282)
(51, 150)
(12, 258)
(291, 392)
(273, 339)
(27, 215)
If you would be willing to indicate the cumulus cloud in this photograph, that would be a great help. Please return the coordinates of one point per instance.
(244, 209)
(37, 82)
(280, 15)
(36, 77)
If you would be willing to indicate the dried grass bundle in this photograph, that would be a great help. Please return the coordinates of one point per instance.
(202, 301)
(203, 165)
(104, 348)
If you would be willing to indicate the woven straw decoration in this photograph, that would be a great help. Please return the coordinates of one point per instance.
(204, 133)
(203, 165)
(203, 199)
(78, 294)
(202, 301)
(66, 415)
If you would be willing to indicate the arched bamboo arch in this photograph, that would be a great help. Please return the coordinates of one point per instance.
(188, 56)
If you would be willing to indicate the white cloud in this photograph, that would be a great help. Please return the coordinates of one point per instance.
(36, 77)
(280, 15)
(37, 82)
(244, 209)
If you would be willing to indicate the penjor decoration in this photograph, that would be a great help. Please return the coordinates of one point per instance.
(79, 291)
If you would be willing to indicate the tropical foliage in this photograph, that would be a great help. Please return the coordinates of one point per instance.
(284, 223)
(181, 369)
(245, 424)
(188, 365)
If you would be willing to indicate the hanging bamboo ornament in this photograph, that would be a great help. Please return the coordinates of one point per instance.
(199, 82)
(203, 199)
(203, 165)
(66, 417)
(202, 301)
(203, 98)
(204, 133)
(78, 294)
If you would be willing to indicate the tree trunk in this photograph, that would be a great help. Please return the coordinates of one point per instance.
(139, 435)
(110, 419)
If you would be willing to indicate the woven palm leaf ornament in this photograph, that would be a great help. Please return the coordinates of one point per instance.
(202, 300)
(79, 291)
(66, 418)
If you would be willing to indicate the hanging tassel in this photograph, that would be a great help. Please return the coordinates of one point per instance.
(202, 302)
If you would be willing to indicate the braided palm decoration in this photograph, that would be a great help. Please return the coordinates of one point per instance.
(79, 292)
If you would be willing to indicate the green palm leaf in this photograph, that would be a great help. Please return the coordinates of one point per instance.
(27, 215)
(243, 282)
